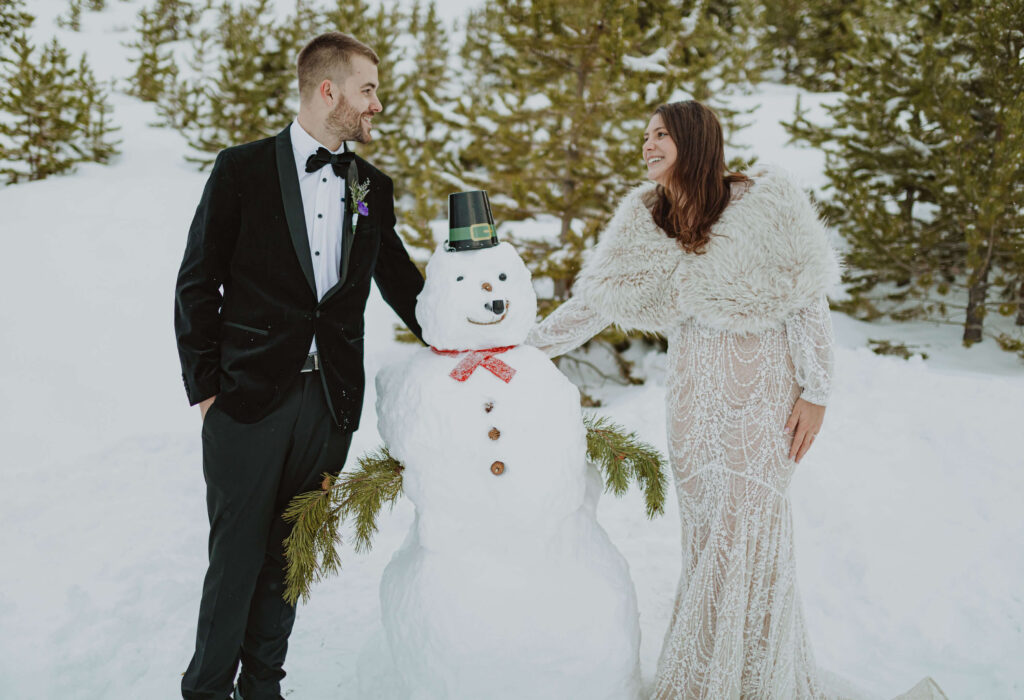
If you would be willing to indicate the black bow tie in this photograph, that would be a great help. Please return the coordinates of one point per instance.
(338, 161)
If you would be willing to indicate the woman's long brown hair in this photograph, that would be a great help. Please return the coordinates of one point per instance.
(700, 187)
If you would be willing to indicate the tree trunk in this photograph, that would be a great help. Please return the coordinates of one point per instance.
(976, 295)
(561, 283)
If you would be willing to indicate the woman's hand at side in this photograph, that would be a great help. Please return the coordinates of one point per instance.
(803, 424)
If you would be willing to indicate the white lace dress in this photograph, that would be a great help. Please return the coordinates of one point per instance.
(737, 630)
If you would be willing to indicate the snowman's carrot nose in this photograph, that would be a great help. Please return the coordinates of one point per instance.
(487, 286)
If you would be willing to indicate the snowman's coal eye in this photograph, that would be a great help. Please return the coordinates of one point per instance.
(459, 278)
(503, 277)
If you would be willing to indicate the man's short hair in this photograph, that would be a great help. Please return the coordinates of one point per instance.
(327, 57)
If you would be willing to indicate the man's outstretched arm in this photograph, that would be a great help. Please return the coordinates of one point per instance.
(397, 277)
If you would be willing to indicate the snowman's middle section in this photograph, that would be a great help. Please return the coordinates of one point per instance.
(495, 461)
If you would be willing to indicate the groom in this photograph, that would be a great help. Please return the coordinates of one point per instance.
(269, 321)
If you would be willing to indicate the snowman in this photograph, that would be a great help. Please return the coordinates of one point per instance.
(506, 586)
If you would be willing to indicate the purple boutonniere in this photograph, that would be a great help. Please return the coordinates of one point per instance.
(358, 193)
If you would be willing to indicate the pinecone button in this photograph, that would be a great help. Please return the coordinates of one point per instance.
(494, 433)
(498, 468)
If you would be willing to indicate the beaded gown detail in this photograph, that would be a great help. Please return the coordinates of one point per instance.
(737, 629)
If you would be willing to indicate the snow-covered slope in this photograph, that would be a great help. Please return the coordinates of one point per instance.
(909, 539)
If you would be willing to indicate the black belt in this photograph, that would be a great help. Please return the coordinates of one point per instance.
(312, 363)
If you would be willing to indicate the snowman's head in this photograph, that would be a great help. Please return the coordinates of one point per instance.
(475, 299)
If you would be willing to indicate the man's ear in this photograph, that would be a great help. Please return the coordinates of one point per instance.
(327, 92)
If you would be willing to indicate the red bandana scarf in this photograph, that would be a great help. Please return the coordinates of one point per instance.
(479, 358)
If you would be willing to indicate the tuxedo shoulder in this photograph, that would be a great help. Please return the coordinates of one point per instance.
(372, 170)
(247, 151)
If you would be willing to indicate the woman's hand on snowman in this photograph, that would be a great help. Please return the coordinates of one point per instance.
(803, 424)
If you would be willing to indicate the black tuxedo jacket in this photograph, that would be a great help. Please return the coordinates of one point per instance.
(249, 237)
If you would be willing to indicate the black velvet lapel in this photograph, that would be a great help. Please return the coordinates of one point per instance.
(347, 232)
(292, 197)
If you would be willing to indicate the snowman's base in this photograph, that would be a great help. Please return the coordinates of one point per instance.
(558, 627)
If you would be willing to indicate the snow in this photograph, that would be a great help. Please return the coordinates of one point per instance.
(906, 512)
(655, 63)
(537, 102)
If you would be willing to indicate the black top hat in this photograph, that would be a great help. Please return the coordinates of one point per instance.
(470, 223)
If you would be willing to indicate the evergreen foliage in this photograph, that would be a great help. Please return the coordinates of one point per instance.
(13, 19)
(155, 71)
(250, 93)
(94, 126)
(885, 347)
(38, 132)
(376, 481)
(806, 39)
(311, 548)
(155, 68)
(925, 154)
(627, 460)
(53, 116)
(72, 19)
(182, 101)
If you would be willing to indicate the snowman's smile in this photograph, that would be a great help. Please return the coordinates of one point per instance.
(498, 306)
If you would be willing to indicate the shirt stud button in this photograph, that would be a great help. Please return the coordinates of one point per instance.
(319, 216)
(317, 252)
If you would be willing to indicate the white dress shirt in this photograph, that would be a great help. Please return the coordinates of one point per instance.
(323, 203)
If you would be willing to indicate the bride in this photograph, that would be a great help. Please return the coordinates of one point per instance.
(733, 270)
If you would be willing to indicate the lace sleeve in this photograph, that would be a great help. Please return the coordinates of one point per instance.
(567, 327)
(811, 346)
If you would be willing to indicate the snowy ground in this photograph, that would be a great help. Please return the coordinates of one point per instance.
(910, 542)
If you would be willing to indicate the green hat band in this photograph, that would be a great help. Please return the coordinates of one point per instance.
(476, 232)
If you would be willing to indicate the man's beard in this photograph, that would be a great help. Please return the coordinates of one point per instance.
(346, 122)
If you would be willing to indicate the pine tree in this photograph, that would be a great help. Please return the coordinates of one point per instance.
(38, 101)
(155, 70)
(182, 102)
(95, 129)
(926, 158)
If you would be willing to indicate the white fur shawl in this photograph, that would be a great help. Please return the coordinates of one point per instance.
(768, 256)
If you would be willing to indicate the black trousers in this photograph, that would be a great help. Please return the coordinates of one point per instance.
(252, 471)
